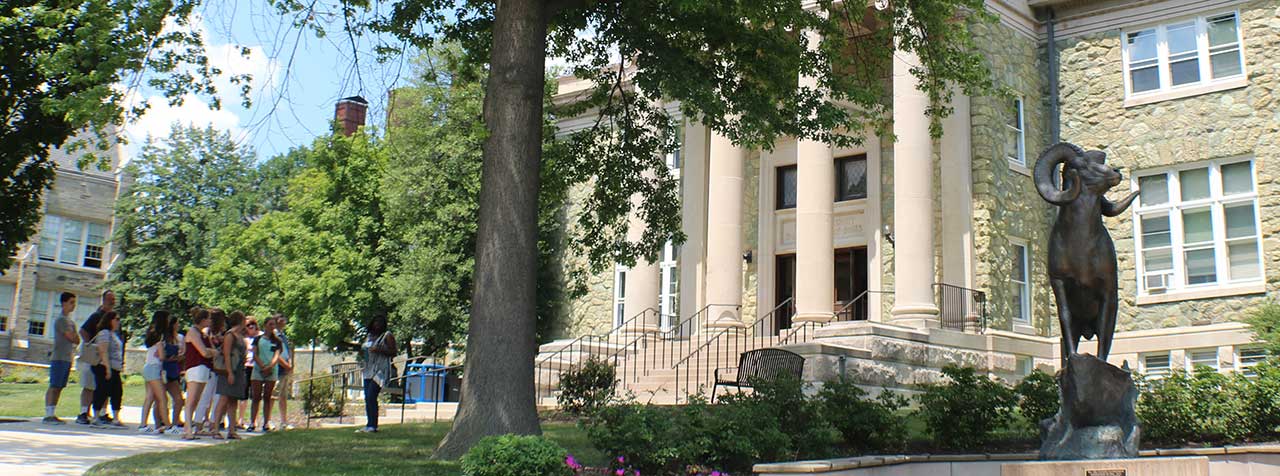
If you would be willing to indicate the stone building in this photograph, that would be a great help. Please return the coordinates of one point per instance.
(933, 251)
(71, 252)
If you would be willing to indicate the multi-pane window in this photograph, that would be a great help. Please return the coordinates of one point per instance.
(1247, 358)
(1198, 226)
(1021, 283)
(786, 188)
(1015, 134)
(851, 178)
(7, 292)
(72, 242)
(619, 295)
(1202, 358)
(40, 312)
(1195, 51)
(1156, 365)
(669, 293)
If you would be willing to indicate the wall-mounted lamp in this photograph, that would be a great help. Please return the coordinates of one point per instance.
(888, 234)
(747, 256)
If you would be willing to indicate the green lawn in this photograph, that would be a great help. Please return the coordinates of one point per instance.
(27, 399)
(396, 449)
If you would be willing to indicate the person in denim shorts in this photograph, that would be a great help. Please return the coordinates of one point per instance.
(65, 339)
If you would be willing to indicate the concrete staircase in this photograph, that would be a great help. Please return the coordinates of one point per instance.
(654, 369)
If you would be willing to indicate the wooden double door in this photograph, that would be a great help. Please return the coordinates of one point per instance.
(850, 272)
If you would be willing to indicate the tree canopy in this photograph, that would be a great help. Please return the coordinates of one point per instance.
(66, 68)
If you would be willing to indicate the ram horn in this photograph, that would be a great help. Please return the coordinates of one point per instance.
(1045, 166)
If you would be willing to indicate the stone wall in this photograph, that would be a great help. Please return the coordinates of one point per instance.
(750, 235)
(1005, 202)
(592, 312)
(1237, 122)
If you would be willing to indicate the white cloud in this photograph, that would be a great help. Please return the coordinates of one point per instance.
(232, 61)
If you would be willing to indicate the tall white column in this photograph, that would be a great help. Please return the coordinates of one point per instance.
(644, 281)
(912, 199)
(815, 200)
(724, 233)
(693, 209)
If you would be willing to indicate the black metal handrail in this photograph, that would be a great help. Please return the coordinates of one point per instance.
(617, 340)
(955, 304)
(669, 340)
(847, 312)
(730, 341)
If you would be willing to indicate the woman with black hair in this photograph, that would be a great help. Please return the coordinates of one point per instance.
(107, 373)
(153, 375)
(378, 348)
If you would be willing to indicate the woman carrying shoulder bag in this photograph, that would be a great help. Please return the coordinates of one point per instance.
(379, 348)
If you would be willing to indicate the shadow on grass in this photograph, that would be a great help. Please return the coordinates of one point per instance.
(394, 450)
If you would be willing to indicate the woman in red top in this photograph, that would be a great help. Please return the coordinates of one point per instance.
(197, 366)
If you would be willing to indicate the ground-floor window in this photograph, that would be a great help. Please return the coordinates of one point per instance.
(1020, 278)
(1202, 358)
(7, 292)
(619, 295)
(668, 297)
(1247, 358)
(1155, 365)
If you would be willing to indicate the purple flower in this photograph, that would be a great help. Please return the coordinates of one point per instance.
(572, 463)
(716, 473)
(620, 472)
(622, 459)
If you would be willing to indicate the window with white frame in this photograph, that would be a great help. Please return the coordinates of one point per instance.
(1195, 51)
(73, 242)
(1015, 134)
(668, 295)
(1156, 365)
(41, 305)
(1202, 358)
(1020, 277)
(619, 295)
(1025, 365)
(1198, 227)
(1247, 358)
(7, 292)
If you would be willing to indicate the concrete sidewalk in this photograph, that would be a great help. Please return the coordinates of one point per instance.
(33, 448)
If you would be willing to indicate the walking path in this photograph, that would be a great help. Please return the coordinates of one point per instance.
(33, 448)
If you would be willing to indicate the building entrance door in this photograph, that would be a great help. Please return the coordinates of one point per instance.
(785, 289)
(851, 284)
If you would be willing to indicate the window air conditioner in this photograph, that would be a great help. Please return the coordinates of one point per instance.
(1157, 283)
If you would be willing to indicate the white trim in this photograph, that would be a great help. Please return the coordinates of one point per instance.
(1190, 364)
(1160, 372)
(1018, 157)
(1077, 23)
(619, 295)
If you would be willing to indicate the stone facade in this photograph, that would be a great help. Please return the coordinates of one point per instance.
(751, 236)
(592, 312)
(1244, 121)
(87, 196)
(1005, 201)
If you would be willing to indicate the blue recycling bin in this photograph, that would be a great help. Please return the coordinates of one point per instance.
(424, 383)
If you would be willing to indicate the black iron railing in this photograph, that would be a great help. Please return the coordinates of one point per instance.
(695, 371)
(612, 346)
(662, 351)
(857, 309)
(961, 309)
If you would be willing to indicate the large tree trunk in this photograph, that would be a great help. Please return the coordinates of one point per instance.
(497, 386)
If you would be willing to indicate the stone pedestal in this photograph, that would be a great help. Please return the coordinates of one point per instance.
(1096, 419)
(1189, 466)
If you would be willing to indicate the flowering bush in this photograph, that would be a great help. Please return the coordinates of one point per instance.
(513, 455)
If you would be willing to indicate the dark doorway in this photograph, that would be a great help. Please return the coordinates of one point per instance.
(851, 284)
(786, 289)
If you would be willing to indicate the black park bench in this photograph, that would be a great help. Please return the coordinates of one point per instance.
(760, 364)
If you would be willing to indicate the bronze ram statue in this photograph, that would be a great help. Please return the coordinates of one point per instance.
(1082, 257)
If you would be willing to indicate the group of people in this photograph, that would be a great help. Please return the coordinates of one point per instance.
(230, 362)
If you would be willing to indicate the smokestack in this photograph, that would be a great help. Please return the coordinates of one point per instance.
(350, 113)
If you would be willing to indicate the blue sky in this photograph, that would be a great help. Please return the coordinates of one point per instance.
(297, 78)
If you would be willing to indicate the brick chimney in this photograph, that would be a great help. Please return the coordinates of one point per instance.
(350, 112)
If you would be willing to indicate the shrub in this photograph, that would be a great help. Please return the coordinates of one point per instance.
(321, 397)
(514, 455)
(646, 432)
(24, 374)
(808, 433)
(963, 412)
(1265, 324)
(1038, 398)
(866, 424)
(1204, 406)
(1262, 400)
(586, 388)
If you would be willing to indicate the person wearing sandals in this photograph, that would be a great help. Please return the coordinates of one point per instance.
(153, 375)
(174, 356)
(231, 383)
(266, 351)
(251, 333)
(209, 399)
(107, 373)
(379, 349)
(197, 365)
(285, 372)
